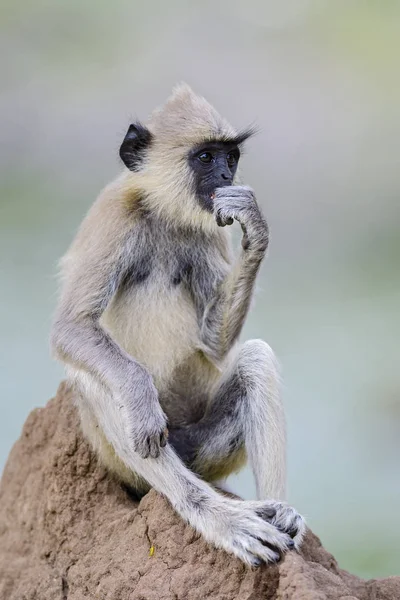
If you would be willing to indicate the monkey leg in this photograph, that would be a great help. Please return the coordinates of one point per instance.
(245, 419)
(255, 531)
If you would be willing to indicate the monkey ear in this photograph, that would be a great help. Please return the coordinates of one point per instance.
(133, 148)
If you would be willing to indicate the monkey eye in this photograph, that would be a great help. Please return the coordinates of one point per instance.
(205, 157)
(232, 158)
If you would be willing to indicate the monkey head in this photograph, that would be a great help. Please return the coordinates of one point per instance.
(185, 152)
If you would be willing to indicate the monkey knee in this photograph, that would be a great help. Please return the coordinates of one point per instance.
(258, 359)
(258, 350)
(259, 372)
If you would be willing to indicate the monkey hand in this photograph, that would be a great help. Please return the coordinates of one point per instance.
(144, 420)
(239, 203)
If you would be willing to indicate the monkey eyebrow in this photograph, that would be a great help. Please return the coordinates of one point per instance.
(235, 140)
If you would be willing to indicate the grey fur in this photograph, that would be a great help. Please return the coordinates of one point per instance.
(147, 324)
(225, 314)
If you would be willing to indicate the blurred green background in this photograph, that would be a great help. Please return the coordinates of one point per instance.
(322, 80)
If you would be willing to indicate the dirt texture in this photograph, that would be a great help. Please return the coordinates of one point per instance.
(68, 531)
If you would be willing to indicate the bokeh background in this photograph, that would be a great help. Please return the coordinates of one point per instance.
(321, 79)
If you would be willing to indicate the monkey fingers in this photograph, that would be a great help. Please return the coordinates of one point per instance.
(150, 447)
(223, 220)
(242, 193)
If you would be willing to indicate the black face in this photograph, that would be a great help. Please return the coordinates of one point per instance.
(214, 165)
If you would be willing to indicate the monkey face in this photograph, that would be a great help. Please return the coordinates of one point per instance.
(213, 165)
(185, 153)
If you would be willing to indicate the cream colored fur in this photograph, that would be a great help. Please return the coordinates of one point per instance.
(151, 306)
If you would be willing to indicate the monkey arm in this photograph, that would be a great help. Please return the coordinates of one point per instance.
(83, 343)
(93, 271)
(91, 281)
(79, 340)
(224, 316)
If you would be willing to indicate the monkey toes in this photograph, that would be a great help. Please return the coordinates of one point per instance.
(251, 535)
(288, 520)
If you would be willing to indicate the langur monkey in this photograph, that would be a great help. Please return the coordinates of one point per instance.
(151, 308)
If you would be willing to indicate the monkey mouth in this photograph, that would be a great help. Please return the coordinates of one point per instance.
(206, 201)
(207, 195)
(226, 183)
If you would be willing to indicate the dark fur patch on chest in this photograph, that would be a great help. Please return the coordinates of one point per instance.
(182, 273)
(138, 273)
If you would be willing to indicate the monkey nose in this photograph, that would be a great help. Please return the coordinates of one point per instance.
(227, 178)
